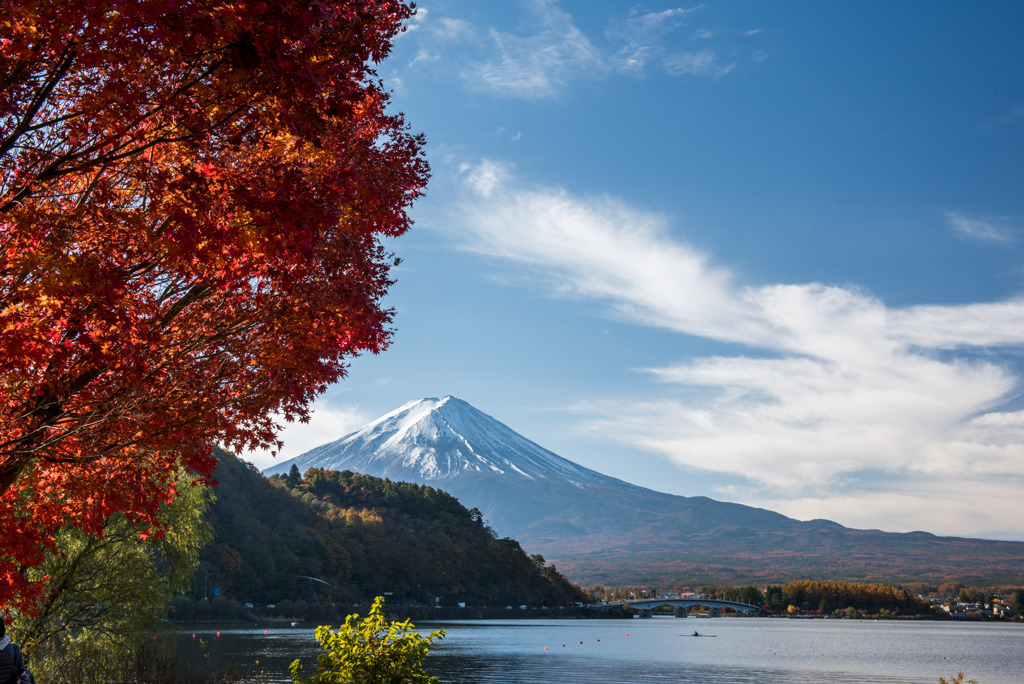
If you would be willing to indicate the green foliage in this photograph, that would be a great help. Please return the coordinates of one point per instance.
(294, 477)
(107, 594)
(845, 598)
(363, 536)
(1018, 603)
(373, 650)
(750, 595)
(773, 596)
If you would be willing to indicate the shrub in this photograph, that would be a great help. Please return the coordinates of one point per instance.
(372, 650)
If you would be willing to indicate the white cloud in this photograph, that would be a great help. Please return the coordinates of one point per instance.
(703, 63)
(840, 389)
(646, 43)
(422, 56)
(979, 229)
(538, 65)
(483, 178)
(328, 422)
(933, 505)
(451, 29)
(587, 241)
(553, 53)
(642, 28)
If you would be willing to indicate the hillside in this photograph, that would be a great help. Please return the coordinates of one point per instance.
(605, 531)
(342, 537)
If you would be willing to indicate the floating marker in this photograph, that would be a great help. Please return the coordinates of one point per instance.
(545, 648)
(264, 632)
(218, 635)
(193, 636)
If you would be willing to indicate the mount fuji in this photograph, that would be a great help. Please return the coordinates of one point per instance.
(601, 529)
(440, 441)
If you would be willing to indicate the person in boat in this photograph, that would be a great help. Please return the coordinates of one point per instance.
(695, 634)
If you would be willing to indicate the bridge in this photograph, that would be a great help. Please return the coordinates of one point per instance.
(682, 605)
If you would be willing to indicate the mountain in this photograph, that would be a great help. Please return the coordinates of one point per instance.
(442, 440)
(603, 530)
(349, 537)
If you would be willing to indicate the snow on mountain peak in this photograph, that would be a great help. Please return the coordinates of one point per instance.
(432, 440)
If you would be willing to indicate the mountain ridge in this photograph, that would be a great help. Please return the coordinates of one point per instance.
(605, 530)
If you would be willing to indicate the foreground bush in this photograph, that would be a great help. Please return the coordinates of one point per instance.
(373, 650)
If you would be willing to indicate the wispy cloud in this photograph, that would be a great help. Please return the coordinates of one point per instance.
(837, 393)
(703, 63)
(980, 229)
(541, 61)
(536, 65)
(647, 44)
(642, 35)
(448, 28)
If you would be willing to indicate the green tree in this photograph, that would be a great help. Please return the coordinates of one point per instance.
(1018, 603)
(107, 593)
(773, 596)
(294, 476)
(373, 650)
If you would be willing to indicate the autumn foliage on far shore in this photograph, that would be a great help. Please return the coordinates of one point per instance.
(192, 201)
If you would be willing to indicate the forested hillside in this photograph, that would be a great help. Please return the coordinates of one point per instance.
(343, 537)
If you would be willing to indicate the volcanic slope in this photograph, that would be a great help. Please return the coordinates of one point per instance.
(603, 530)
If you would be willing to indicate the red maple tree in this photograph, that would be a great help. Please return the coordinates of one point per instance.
(192, 201)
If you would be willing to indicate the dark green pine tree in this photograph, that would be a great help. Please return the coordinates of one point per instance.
(294, 477)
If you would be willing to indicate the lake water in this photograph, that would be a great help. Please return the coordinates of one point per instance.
(741, 650)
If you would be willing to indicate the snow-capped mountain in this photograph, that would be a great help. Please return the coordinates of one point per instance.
(434, 441)
(604, 530)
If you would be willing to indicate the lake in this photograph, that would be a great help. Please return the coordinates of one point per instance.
(748, 650)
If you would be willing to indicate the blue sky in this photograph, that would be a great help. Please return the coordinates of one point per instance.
(764, 252)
